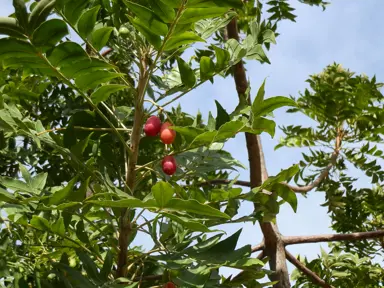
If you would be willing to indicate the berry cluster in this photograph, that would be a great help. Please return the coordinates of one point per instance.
(152, 128)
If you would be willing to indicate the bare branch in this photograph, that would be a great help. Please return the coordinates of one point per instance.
(261, 255)
(290, 240)
(318, 180)
(258, 247)
(312, 275)
(274, 247)
(297, 189)
(106, 52)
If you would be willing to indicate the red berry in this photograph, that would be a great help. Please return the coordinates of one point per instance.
(167, 136)
(152, 126)
(169, 285)
(169, 165)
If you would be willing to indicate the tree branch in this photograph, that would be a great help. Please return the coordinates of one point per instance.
(106, 52)
(274, 247)
(258, 247)
(296, 189)
(125, 225)
(290, 240)
(310, 274)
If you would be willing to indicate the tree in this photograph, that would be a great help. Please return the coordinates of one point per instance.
(80, 181)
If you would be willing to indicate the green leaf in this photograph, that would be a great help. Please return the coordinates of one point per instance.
(188, 223)
(21, 13)
(269, 36)
(87, 21)
(211, 122)
(80, 279)
(186, 73)
(10, 27)
(271, 104)
(191, 15)
(222, 58)
(100, 37)
(206, 27)
(172, 3)
(50, 33)
(40, 223)
(181, 39)
(194, 206)
(79, 148)
(89, 266)
(236, 51)
(215, 3)
(7, 197)
(163, 11)
(222, 115)
(80, 194)
(66, 54)
(92, 80)
(40, 13)
(104, 91)
(80, 232)
(284, 175)
(63, 193)
(163, 193)
(207, 68)
(226, 245)
(25, 173)
(58, 227)
(84, 66)
(10, 47)
(228, 130)
(73, 9)
(17, 185)
(256, 52)
(148, 18)
(259, 97)
(287, 195)
(152, 38)
(264, 125)
(174, 204)
(107, 266)
(194, 277)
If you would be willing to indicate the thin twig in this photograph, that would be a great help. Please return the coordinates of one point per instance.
(310, 274)
(296, 189)
(82, 128)
(290, 240)
(258, 247)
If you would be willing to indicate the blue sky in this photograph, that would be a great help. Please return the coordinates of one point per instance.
(347, 32)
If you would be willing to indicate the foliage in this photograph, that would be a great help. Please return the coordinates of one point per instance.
(78, 175)
(348, 113)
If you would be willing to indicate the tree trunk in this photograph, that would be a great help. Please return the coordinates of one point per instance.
(274, 246)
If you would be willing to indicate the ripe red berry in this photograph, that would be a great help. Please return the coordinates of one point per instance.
(169, 165)
(169, 285)
(152, 126)
(167, 136)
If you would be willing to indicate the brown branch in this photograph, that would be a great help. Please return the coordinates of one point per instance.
(297, 189)
(310, 274)
(258, 247)
(125, 225)
(274, 247)
(290, 240)
(106, 52)
(260, 255)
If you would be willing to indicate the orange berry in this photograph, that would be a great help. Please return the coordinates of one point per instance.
(167, 136)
